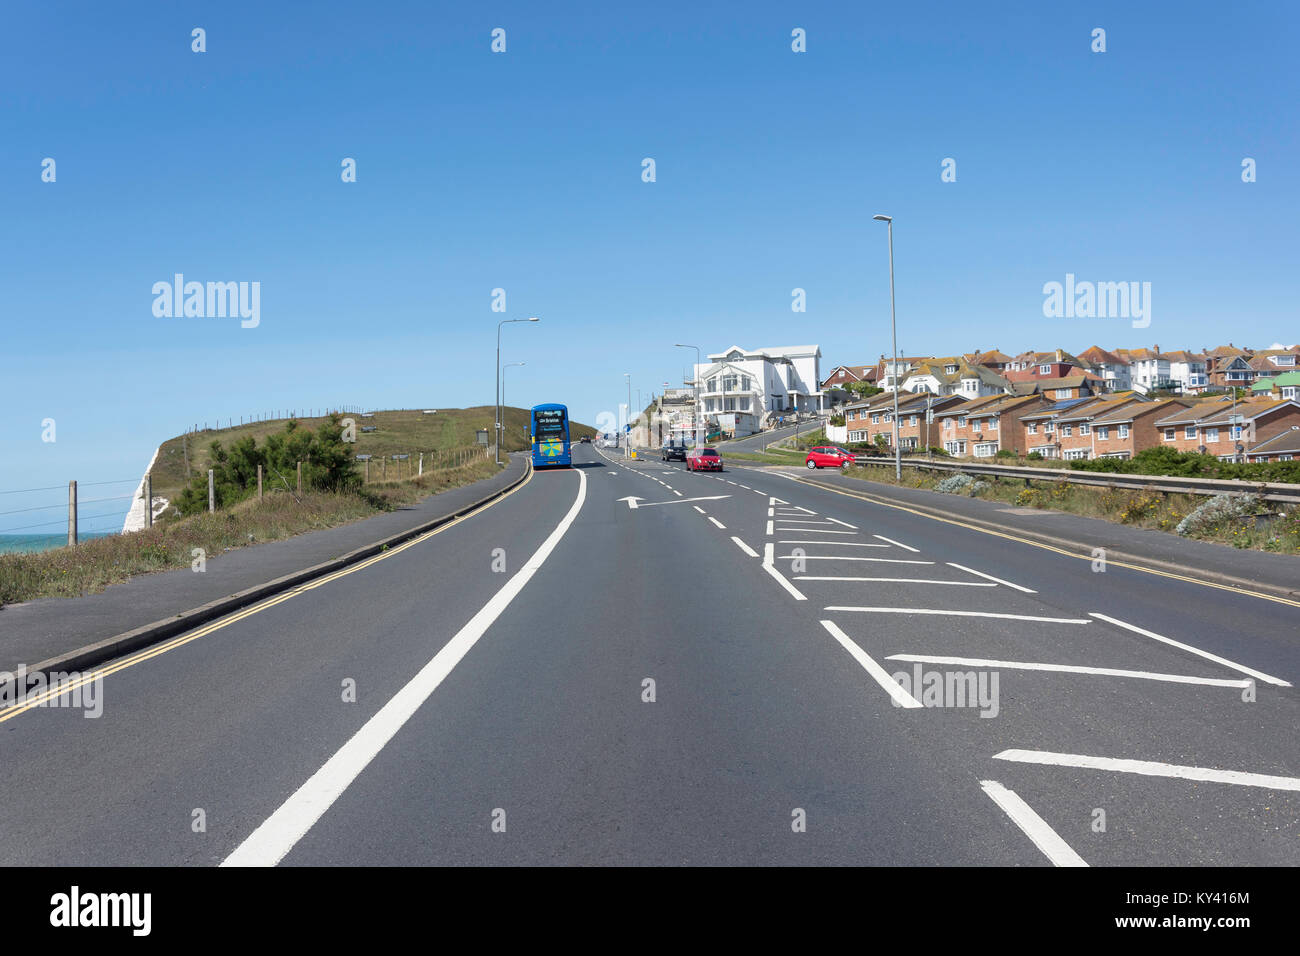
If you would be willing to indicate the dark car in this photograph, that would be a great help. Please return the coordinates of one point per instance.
(706, 460)
(673, 451)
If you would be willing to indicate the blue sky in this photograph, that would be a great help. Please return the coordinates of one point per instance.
(522, 171)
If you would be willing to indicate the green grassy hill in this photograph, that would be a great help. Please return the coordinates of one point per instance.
(397, 432)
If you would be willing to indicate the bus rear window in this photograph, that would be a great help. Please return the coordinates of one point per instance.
(548, 424)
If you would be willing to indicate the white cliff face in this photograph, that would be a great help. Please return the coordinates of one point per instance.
(135, 518)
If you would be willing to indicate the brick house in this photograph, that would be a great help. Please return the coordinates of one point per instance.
(1284, 446)
(1228, 366)
(982, 427)
(1125, 430)
(1218, 427)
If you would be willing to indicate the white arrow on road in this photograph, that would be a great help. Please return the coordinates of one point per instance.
(633, 499)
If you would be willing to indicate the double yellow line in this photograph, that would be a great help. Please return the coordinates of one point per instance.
(51, 693)
(1047, 547)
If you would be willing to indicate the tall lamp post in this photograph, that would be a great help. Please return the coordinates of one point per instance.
(695, 380)
(503, 392)
(627, 435)
(498, 422)
(893, 330)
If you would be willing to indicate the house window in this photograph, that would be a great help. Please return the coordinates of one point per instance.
(1211, 434)
(1067, 431)
(955, 447)
(1049, 428)
(1123, 431)
(1033, 428)
(1074, 454)
(1064, 393)
(1085, 429)
(1287, 360)
(875, 419)
(1170, 434)
(1044, 370)
(1189, 431)
(744, 404)
(713, 384)
(993, 424)
(986, 449)
(912, 420)
(1288, 391)
(1103, 432)
(947, 424)
(961, 421)
(949, 369)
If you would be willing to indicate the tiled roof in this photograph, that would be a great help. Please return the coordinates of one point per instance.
(1287, 441)
(1220, 412)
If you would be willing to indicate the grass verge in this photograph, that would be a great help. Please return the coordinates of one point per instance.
(95, 564)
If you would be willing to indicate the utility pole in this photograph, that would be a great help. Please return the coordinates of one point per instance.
(893, 328)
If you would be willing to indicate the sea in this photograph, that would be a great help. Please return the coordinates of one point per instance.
(30, 543)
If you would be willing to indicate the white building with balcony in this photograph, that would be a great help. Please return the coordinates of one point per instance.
(761, 382)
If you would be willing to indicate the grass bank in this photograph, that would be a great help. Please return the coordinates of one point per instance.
(95, 564)
(1266, 526)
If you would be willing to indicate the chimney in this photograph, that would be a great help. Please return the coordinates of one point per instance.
(1059, 355)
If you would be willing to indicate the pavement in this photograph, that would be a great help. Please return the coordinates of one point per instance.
(725, 673)
(39, 630)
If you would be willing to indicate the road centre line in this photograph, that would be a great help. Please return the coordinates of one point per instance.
(698, 508)
(1069, 669)
(956, 584)
(717, 522)
(941, 612)
(900, 544)
(278, 834)
(878, 673)
(1032, 825)
(1151, 768)
(1194, 650)
(962, 567)
(744, 547)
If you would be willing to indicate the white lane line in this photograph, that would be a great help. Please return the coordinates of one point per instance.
(804, 521)
(896, 543)
(1035, 827)
(962, 567)
(845, 523)
(805, 510)
(718, 523)
(769, 527)
(770, 512)
(1070, 669)
(677, 493)
(698, 508)
(956, 584)
(772, 500)
(744, 547)
(278, 834)
(921, 610)
(881, 676)
(776, 501)
(1194, 650)
(1152, 768)
(823, 531)
(755, 491)
(838, 544)
(770, 567)
(841, 557)
(747, 488)
(728, 481)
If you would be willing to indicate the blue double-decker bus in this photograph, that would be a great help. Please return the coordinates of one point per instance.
(550, 436)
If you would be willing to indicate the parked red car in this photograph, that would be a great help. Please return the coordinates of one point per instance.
(706, 460)
(829, 456)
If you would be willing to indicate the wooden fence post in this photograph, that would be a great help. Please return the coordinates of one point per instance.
(259, 481)
(300, 476)
(72, 514)
(212, 495)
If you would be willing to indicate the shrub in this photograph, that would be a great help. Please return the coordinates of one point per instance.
(1006, 453)
(1034, 456)
(1218, 511)
(961, 484)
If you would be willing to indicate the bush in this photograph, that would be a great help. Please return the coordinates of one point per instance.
(1006, 453)
(1218, 511)
(1036, 456)
(961, 484)
(1163, 460)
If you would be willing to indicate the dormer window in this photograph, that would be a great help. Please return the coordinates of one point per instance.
(1044, 370)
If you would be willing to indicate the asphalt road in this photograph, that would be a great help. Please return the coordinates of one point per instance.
(645, 685)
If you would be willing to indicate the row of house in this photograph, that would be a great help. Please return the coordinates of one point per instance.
(1118, 425)
(1061, 375)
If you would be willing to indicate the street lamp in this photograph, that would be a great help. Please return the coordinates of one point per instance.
(627, 435)
(503, 392)
(695, 381)
(498, 422)
(893, 329)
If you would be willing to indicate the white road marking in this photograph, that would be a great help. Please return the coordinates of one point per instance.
(956, 584)
(920, 610)
(896, 543)
(881, 676)
(770, 567)
(805, 510)
(698, 508)
(728, 481)
(1070, 669)
(804, 521)
(840, 557)
(1194, 650)
(770, 512)
(675, 492)
(962, 567)
(744, 547)
(717, 522)
(747, 488)
(845, 523)
(1152, 768)
(838, 544)
(1035, 827)
(278, 834)
(824, 531)
(769, 527)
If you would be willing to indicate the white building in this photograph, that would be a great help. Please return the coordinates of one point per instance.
(759, 382)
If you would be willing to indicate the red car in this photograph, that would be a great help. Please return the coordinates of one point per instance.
(706, 460)
(829, 456)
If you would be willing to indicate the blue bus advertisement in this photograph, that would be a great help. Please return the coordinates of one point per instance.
(550, 436)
